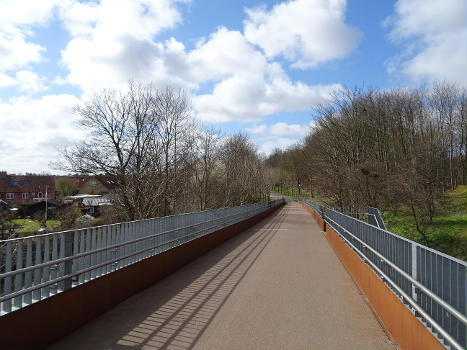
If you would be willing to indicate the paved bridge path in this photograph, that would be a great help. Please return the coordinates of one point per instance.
(277, 285)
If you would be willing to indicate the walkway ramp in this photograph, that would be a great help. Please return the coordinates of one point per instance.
(276, 285)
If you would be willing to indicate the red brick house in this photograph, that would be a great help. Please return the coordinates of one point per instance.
(26, 189)
(100, 184)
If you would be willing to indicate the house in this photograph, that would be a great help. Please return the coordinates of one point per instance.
(25, 189)
(93, 205)
(93, 184)
(88, 203)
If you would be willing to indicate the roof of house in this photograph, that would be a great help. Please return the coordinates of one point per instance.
(96, 201)
(105, 180)
(26, 183)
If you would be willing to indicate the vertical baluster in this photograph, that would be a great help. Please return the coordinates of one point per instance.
(153, 239)
(46, 270)
(28, 275)
(19, 277)
(168, 235)
(145, 243)
(61, 266)
(98, 246)
(112, 255)
(93, 247)
(174, 233)
(159, 236)
(105, 244)
(122, 249)
(125, 247)
(134, 235)
(150, 233)
(37, 272)
(53, 268)
(129, 238)
(7, 283)
(119, 250)
(87, 275)
(82, 260)
(102, 253)
(141, 243)
(133, 230)
(126, 237)
(75, 262)
(109, 240)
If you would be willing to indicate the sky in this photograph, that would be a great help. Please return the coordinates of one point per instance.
(259, 67)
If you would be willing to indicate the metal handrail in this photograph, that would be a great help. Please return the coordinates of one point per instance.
(95, 251)
(446, 335)
(94, 267)
(440, 301)
(139, 248)
(405, 239)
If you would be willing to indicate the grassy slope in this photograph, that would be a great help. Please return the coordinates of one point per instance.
(448, 232)
(32, 225)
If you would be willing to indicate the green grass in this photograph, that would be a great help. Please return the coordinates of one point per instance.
(33, 225)
(447, 233)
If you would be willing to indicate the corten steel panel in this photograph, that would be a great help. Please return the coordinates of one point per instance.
(41, 323)
(315, 215)
(403, 326)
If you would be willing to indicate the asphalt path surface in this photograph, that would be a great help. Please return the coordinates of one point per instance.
(278, 285)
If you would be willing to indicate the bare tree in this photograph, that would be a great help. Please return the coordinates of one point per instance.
(132, 139)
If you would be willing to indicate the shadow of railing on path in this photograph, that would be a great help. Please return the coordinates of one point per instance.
(180, 321)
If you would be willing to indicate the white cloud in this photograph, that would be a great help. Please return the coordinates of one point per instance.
(435, 33)
(26, 12)
(29, 81)
(225, 53)
(16, 19)
(24, 80)
(15, 50)
(281, 129)
(113, 41)
(251, 98)
(279, 142)
(306, 32)
(279, 135)
(258, 129)
(249, 87)
(6, 80)
(33, 129)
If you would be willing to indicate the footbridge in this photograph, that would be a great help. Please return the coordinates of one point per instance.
(281, 274)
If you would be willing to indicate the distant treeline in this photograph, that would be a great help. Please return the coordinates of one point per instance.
(387, 149)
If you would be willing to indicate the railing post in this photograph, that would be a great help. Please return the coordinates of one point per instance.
(323, 214)
(414, 270)
(68, 263)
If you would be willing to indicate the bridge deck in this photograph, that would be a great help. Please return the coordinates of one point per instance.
(277, 285)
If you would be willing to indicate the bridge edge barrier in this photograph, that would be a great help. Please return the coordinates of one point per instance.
(408, 332)
(42, 323)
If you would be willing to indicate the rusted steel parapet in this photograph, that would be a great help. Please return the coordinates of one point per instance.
(315, 215)
(42, 323)
(397, 319)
